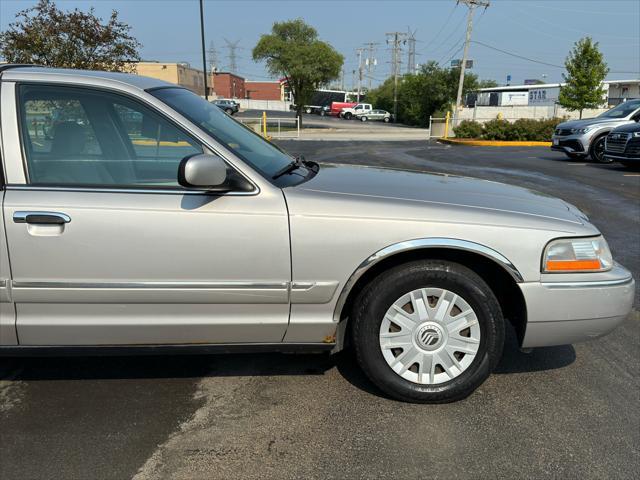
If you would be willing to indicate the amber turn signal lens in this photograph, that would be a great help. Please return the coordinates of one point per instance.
(572, 265)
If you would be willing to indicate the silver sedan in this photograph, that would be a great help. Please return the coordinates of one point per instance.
(375, 115)
(137, 216)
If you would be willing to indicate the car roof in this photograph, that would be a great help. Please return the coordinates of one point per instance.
(27, 72)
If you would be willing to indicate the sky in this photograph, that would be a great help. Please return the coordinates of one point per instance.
(540, 30)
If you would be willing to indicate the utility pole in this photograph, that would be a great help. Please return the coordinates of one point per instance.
(342, 79)
(360, 68)
(204, 53)
(411, 57)
(471, 5)
(232, 56)
(396, 39)
(371, 62)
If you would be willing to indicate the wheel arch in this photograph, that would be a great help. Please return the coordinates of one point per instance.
(499, 273)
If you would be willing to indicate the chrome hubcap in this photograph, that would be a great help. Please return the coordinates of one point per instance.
(429, 336)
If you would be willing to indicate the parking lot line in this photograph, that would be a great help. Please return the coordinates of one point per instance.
(631, 174)
(577, 164)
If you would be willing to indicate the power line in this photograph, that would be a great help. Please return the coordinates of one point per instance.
(453, 32)
(522, 57)
(441, 28)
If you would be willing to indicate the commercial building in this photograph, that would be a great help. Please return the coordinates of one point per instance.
(228, 85)
(513, 102)
(273, 90)
(617, 91)
(179, 73)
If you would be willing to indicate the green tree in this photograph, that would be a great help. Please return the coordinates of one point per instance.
(430, 91)
(586, 69)
(293, 50)
(46, 35)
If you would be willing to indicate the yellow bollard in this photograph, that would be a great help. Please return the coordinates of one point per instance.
(446, 125)
(264, 124)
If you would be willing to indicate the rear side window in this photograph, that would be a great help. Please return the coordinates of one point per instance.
(86, 137)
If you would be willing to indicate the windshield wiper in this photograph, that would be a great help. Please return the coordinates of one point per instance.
(298, 162)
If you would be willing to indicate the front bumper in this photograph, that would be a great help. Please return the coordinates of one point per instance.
(562, 311)
(569, 144)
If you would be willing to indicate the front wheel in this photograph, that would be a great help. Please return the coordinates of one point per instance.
(428, 331)
(364, 119)
(597, 150)
(386, 120)
(229, 111)
(307, 110)
(348, 115)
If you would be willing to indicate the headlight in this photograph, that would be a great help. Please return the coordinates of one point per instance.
(577, 255)
(581, 130)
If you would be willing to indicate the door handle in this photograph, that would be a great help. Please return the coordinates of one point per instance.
(41, 218)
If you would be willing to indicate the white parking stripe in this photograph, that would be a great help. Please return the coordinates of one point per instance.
(631, 174)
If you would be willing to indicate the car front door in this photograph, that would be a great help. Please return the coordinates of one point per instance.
(106, 248)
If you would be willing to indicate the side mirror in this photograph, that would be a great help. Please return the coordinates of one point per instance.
(202, 171)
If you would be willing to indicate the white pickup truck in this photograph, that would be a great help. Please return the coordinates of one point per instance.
(359, 109)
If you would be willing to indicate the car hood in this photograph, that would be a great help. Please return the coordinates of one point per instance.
(631, 127)
(438, 190)
(587, 122)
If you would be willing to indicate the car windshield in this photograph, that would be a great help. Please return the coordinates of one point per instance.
(621, 111)
(252, 148)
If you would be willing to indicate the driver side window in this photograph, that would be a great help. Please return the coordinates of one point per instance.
(85, 137)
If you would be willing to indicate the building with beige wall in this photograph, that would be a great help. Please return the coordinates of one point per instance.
(179, 73)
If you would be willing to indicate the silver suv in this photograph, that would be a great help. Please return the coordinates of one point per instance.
(137, 216)
(579, 138)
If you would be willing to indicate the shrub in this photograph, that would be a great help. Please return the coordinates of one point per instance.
(468, 129)
(498, 130)
(523, 129)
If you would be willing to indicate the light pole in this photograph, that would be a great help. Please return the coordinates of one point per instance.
(204, 54)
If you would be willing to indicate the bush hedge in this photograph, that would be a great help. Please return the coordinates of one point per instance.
(524, 129)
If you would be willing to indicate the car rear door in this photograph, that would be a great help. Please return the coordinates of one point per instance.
(106, 247)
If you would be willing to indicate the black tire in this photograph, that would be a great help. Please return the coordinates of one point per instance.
(374, 301)
(386, 120)
(596, 150)
(229, 111)
(363, 119)
(322, 113)
(308, 110)
(348, 116)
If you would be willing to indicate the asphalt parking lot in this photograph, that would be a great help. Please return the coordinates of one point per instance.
(561, 412)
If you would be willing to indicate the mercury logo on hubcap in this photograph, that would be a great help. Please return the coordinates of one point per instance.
(429, 337)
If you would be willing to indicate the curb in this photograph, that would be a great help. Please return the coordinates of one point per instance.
(493, 143)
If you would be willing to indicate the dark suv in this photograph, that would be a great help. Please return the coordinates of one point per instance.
(623, 145)
(229, 106)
